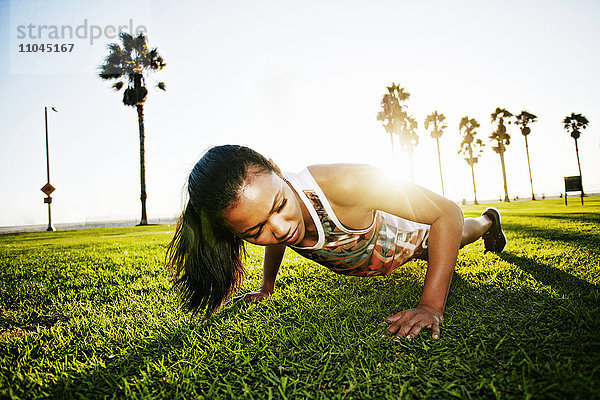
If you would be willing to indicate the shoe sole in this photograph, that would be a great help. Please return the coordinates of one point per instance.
(500, 227)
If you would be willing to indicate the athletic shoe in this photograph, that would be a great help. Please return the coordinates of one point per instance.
(494, 239)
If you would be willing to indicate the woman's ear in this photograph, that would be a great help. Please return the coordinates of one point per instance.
(277, 169)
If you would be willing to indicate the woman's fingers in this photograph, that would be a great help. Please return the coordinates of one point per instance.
(402, 327)
(256, 296)
(396, 317)
(396, 323)
(414, 330)
(436, 330)
(234, 300)
(410, 323)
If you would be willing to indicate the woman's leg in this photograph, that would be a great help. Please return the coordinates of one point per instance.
(474, 228)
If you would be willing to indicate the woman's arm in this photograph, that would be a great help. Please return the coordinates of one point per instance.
(443, 244)
(365, 187)
(273, 256)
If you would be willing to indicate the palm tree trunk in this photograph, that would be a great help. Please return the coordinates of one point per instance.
(471, 163)
(506, 199)
(140, 111)
(392, 141)
(529, 165)
(579, 165)
(440, 164)
(474, 189)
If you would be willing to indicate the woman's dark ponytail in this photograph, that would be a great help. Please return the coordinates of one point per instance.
(206, 265)
(204, 257)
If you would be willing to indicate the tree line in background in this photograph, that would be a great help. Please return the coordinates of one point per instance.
(398, 123)
(131, 62)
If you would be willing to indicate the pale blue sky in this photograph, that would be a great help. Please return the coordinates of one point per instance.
(300, 82)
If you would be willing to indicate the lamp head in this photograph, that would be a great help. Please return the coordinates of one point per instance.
(54, 109)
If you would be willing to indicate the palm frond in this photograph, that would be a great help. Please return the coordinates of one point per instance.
(428, 120)
(131, 60)
(436, 119)
(140, 44)
(114, 48)
(575, 123)
(109, 71)
(127, 40)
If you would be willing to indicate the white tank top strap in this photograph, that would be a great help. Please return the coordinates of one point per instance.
(300, 182)
(307, 181)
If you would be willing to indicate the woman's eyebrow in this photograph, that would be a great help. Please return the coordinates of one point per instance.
(278, 195)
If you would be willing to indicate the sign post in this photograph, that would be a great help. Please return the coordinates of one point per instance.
(48, 189)
(573, 184)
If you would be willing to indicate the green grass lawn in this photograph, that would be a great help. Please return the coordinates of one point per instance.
(91, 313)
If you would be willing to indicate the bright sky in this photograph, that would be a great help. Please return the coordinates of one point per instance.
(300, 82)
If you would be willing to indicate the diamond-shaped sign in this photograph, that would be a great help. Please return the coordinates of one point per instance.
(47, 189)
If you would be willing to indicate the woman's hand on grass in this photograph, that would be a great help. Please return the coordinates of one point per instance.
(409, 323)
(258, 295)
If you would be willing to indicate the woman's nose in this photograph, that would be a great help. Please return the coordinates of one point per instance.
(280, 227)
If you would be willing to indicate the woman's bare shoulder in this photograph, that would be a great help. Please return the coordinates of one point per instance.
(343, 183)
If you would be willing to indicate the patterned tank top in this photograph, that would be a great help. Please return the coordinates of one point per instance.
(389, 242)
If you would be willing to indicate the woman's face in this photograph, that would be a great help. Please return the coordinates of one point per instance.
(266, 212)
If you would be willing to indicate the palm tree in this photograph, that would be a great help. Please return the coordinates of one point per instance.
(470, 146)
(409, 139)
(437, 122)
(574, 124)
(523, 120)
(502, 139)
(397, 122)
(393, 116)
(130, 64)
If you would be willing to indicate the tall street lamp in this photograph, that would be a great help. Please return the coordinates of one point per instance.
(48, 188)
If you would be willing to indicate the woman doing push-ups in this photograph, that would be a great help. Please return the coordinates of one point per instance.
(349, 218)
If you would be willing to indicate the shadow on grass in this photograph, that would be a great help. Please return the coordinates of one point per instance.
(579, 217)
(590, 241)
(561, 281)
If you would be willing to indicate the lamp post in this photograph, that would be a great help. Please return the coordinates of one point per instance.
(48, 188)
